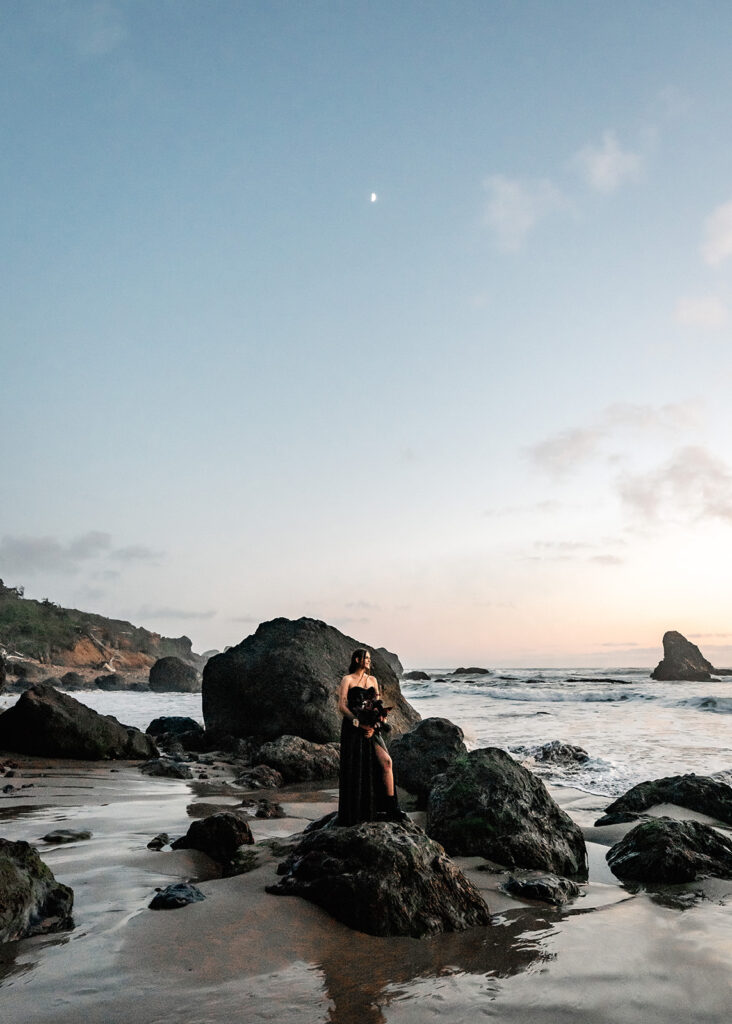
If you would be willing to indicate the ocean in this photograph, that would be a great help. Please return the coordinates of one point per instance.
(632, 727)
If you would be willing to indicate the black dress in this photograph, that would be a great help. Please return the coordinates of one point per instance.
(361, 789)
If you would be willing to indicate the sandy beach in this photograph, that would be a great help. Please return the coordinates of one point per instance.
(611, 955)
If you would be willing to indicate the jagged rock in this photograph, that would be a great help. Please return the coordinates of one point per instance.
(392, 661)
(697, 792)
(66, 835)
(52, 724)
(472, 671)
(284, 679)
(174, 896)
(415, 675)
(165, 768)
(682, 660)
(260, 777)
(174, 725)
(487, 804)
(666, 850)
(111, 681)
(173, 675)
(73, 681)
(159, 841)
(555, 752)
(269, 809)
(429, 749)
(219, 836)
(383, 879)
(547, 888)
(32, 902)
(298, 760)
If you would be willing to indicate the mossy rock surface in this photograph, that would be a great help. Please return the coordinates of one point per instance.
(32, 902)
(667, 850)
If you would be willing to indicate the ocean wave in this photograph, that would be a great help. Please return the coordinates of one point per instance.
(719, 705)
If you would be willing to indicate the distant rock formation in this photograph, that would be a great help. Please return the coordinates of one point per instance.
(284, 679)
(682, 660)
(52, 724)
(416, 675)
(172, 675)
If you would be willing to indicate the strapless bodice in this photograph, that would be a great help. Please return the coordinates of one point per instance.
(358, 694)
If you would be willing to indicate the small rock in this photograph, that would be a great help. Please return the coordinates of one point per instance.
(175, 896)
(164, 767)
(219, 836)
(66, 835)
(269, 809)
(260, 777)
(159, 841)
(547, 888)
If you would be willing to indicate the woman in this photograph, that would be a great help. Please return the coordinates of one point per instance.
(366, 784)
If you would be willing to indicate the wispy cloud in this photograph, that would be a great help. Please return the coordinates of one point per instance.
(605, 166)
(37, 554)
(708, 312)
(716, 244)
(568, 450)
(136, 553)
(515, 206)
(693, 484)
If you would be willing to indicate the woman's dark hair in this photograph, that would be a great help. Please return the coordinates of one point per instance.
(357, 659)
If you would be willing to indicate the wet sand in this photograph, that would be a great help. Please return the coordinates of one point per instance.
(613, 955)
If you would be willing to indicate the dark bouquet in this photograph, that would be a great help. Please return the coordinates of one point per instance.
(371, 712)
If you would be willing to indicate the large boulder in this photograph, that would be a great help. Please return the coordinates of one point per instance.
(696, 792)
(666, 850)
(383, 879)
(299, 760)
(284, 679)
(73, 681)
(487, 804)
(220, 836)
(428, 750)
(52, 724)
(416, 675)
(32, 902)
(682, 660)
(392, 661)
(173, 675)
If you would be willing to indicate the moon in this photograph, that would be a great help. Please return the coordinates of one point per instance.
(374, 197)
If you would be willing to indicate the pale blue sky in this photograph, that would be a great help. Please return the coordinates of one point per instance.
(484, 418)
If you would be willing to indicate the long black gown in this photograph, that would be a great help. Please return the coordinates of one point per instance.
(361, 789)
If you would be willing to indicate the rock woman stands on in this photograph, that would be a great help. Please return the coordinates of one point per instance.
(366, 784)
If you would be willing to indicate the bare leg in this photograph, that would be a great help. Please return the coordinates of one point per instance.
(385, 762)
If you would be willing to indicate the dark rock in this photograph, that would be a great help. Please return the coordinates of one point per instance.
(260, 777)
(173, 675)
(426, 751)
(666, 850)
(298, 760)
(487, 804)
(159, 841)
(175, 725)
(621, 818)
(66, 835)
(52, 681)
(547, 888)
(269, 809)
(284, 679)
(697, 792)
(110, 682)
(165, 768)
(175, 896)
(415, 674)
(682, 660)
(392, 661)
(26, 670)
(473, 671)
(382, 878)
(3, 674)
(556, 752)
(52, 724)
(73, 681)
(219, 836)
(32, 902)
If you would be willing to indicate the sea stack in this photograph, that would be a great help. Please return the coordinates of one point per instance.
(682, 660)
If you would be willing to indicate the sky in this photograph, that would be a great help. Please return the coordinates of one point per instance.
(415, 318)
